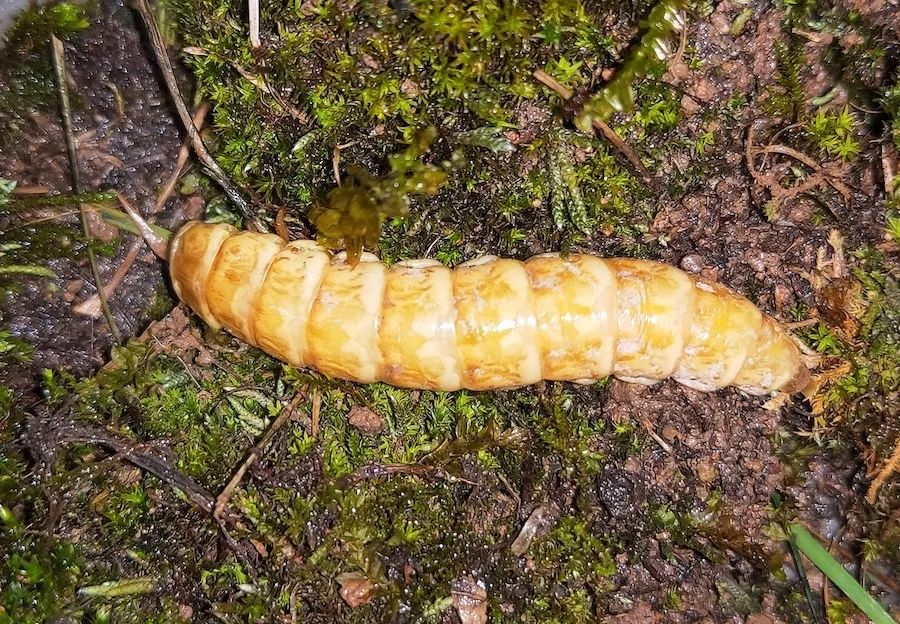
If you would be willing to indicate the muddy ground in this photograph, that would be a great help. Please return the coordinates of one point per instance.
(654, 504)
(128, 140)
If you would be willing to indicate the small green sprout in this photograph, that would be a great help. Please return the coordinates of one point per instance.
(893, 228)
(834, 133)
(704, 142)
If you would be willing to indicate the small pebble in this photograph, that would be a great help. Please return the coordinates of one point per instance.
(366, 420)
(692, 263)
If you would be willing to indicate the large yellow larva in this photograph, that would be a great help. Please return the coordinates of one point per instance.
(487, 324)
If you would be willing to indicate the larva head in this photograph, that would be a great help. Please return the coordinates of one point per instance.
(192, 252)
(799, 381)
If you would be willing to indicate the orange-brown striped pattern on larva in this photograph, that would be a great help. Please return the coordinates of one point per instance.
(487, 324)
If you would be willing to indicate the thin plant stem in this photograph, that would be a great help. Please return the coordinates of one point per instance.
(59, 64)
(253, 5)
(608, 133)
(235, 195)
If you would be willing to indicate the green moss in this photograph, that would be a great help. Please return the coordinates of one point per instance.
(124, 511)
(28, 248)
(32, 29)
(25, 64)
(856, 407)
(789, 98)
(580, 555)
(876, 354)
(377, 526)
(38, 573)
(834, 134)
(666, 18)
(159, 305)
(367, 75)
(351, 215)
(13, 350)
(38, 576)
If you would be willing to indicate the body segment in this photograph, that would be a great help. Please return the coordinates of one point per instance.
(487, 324)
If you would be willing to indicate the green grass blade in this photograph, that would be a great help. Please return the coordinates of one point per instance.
(119, 219)
(61, 199)
(838, 575)
(126, 587)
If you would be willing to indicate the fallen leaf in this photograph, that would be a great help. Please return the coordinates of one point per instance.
(356, 589)
(470, 600)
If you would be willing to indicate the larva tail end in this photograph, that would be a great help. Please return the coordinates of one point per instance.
(798, 381)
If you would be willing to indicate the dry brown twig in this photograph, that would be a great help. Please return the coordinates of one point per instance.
(34, 189)
(891, 466)
(256, 452)
(772, 182)
(839, 186)
(92, 306)
(648, 427)
(801, 324)
(281, 225)
(608, 133)
(682, 46)
(888, 167)
(235, 195)
(336, 160)
(316, 413)
(184, 153)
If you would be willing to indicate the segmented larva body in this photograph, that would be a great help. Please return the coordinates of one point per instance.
(487, 324)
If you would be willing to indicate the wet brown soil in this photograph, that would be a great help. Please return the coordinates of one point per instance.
(128, 142)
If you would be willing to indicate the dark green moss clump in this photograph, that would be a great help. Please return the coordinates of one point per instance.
(351, 215)
(35, 567)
